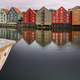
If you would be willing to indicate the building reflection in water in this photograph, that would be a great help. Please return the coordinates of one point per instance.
(60, 38)
(61, 34)
(43, 37)
(76, 37)
(29, 36)
(11, 34)
(58, 35)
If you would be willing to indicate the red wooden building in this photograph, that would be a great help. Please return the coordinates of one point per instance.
(29, 17)
(61, 16)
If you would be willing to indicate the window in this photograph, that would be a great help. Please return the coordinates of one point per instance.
(61, 11)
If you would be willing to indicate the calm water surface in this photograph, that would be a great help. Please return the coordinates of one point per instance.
(35, 62)
(42, 55)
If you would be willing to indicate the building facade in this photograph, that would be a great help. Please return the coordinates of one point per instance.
(43, 17)
(3, 16)
(29, 17)
(13, 16)
(61, 16)
(76, 15)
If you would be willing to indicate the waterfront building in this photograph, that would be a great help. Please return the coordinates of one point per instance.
(75, 16)
(3, 16)
(14, 15)
(61, 16)
(43, 17)
(29, 17)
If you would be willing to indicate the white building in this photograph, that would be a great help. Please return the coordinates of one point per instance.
(3, 16)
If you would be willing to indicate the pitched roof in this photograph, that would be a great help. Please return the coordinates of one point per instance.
(5, 10)
(17, 10)
(31, 10)
(43, 8)
(76, 7)
(62, 8)
(59, 9)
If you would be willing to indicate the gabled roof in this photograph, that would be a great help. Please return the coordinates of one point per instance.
(62, 8)
(44, 8)
(31, 10)
(5, 10)
(76, 7)
(59, 9)
(16, 10)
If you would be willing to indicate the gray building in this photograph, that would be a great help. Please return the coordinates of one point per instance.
(44, 17)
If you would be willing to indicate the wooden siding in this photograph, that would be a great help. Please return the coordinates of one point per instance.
(61, 16)
(29, 17)
(43, 17)
(76, 17)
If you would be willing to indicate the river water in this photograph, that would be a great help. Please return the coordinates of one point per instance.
(39, 55)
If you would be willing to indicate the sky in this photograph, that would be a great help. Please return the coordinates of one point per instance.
(37, 4)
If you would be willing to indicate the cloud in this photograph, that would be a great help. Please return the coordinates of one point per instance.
(37, 4)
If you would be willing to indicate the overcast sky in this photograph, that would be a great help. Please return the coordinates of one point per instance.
(37, 4)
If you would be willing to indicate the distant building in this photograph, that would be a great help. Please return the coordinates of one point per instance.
(61, 16)
(75, 15)
(29, 17)
(14, 15)
(44, 17)
(3, 16)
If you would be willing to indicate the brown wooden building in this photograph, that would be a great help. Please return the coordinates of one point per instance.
(75, 15)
